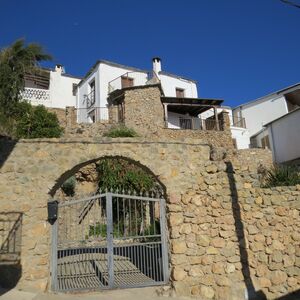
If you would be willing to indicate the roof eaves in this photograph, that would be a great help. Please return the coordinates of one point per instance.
(177, 76)
(289, 113)
(268, 95)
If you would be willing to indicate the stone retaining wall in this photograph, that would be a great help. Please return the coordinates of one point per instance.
(224, 230)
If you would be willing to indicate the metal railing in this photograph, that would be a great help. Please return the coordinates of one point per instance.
(36, 96)
(119, 241)
(10, 236)
(199, 124)
(138, 78)
(92, 114)
(89, 99)
(238, 122)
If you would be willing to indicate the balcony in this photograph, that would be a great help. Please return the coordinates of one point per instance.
(194, 123)
(91, 115)
(238, 122)
(36, 96)
(130, 79)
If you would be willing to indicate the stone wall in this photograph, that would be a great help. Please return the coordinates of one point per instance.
(144, 113)
(225, 232)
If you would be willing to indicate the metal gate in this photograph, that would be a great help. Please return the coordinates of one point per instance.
(109, 241)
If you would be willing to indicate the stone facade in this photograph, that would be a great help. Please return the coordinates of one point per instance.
(225, 232)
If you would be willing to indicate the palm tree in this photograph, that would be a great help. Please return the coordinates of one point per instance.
(15, 61)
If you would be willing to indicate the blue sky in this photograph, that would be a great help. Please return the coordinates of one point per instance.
(237, 50)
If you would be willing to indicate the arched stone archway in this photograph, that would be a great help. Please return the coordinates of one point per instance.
(35, 169)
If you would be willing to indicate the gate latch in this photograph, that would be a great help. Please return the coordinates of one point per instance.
(52, 211)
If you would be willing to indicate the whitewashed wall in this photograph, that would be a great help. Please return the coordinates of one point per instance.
(260, 113)
(284, 135)
(169, 85)
(108, 73)
(61, 90)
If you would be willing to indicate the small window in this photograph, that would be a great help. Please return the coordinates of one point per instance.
(126, 82)
(179, 93)
(74, 89)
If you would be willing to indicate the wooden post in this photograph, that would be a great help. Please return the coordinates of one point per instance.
(166, 115)
(216, 118)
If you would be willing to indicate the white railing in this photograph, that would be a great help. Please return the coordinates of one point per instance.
(36, 96)
(92, 114)
(197, 124)
(138, 78)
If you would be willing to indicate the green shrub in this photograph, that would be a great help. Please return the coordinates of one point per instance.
(35, 122)
(68, 186)
(117, 173)
(121, 131)
(282, 176)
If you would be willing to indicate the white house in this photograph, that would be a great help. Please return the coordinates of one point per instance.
(105, 77)
(54, 89)
(261, 111)
(284, 137)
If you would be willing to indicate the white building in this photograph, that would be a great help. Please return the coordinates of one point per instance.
(284, 137)
(54, 89)
(261, 111)
(105, 77)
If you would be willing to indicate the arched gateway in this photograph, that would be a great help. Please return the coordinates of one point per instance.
(113, 239)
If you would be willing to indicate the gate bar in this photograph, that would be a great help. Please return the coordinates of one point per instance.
(110, 245)
(54, 257)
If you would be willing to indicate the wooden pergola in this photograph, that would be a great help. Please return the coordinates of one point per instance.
(191, 106)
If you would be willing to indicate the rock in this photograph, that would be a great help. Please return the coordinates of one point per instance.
(264, 282)
(277, 256)
(247, 185)
(185, 229)
(223, 281)
(178, 247)
(277, 245)
(262, 270)
(196, 271)
(207, 292)
(195, 290)
(218, 243)
(292, 281)
(252, 229)
(278, 277)
(229, 268)
(207, 260)
(181, 288)
(211, 168)
(178, 274)
(174, 198)
(203, 240)
(175, 219)
(218, 268)
(212, 250)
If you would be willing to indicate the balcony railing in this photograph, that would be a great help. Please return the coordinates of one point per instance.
(199, 124)
(238, 122)
(89, 99)
(36, 96)
(91, 115)
(130, 79)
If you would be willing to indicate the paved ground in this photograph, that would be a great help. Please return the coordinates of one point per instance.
(128, 294)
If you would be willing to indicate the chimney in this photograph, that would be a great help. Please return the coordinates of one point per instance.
(59, 69)
(156, 65)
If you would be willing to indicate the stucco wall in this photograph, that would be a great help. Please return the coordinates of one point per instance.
(61, 90)
(284, 137)
(260, 113)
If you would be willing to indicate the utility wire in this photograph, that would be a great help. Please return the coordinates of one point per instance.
(290, 3)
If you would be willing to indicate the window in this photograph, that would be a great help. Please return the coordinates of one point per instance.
(179, 93)
(126, 82)
(74, 89)
(265, 143)
(185, 123)
(91, 96)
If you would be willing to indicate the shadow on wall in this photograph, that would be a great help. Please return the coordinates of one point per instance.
(239, 229)
(10, 248)
(292, 296)
(6, 147)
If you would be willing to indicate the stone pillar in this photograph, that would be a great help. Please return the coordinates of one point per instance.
(113, 115)
(70, 116)
(225, 121)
